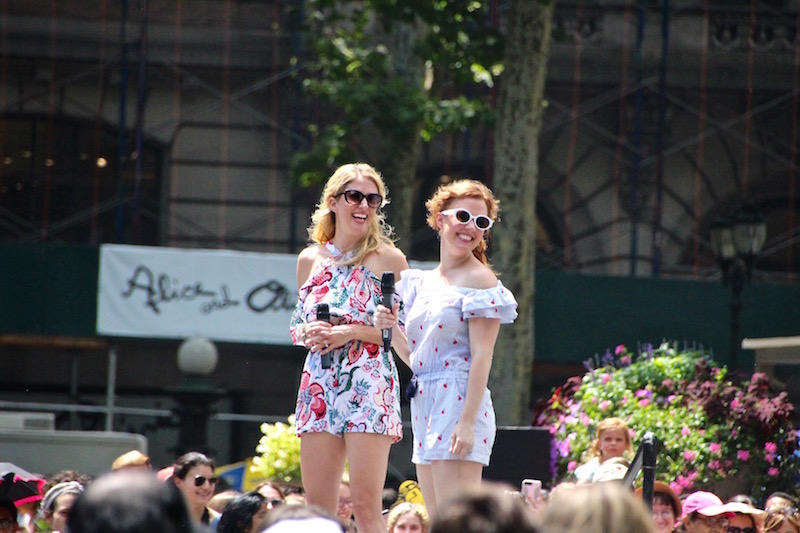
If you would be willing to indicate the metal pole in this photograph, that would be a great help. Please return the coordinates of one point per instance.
(737, 279)
(74, 379)
(111, 386)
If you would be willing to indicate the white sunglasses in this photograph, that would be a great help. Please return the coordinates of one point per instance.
(482, 222)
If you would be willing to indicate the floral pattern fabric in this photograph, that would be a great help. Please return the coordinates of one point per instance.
(436, 321)
(360, 392)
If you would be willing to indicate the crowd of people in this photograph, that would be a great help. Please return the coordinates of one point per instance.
(186, 497)
(443, 324)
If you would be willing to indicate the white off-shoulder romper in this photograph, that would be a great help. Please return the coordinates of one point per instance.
(436, 320)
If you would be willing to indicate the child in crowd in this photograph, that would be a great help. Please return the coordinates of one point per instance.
(613, 440)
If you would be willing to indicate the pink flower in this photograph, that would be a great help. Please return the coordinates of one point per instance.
(642, 393)
(644, 402)
(714, 447)
(625, 359)
(770, 447)
(685, 482)
(743, 455)
(769, 457)
(571, 466)
(671, 398)
(713, 464)
(772, 471)
(686, 431)
(676, 487)
(605, 404)
(689, 455)
(735, 404)
(605, 378)
(619, 349)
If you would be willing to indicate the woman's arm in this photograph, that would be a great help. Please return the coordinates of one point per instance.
(383, 319)
(386, 259)
(482, 336)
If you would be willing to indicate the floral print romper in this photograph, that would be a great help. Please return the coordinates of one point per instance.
(360, 392)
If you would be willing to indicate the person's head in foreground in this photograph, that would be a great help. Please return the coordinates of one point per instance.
(245, 513)
(596, 508)
(130, 502)
(407, 517)
(8, 516)
(131, 459)
(613, 440)
(666, 507)
(704, 512)
(58, 502)
(782, 519)
(302, 519)
(488, 508)
(194, 476)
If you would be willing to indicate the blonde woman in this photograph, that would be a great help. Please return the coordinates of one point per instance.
(452, 317)
(408, 517)
(348, 410)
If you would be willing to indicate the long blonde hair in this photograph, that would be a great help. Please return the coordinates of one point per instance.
(323, 221)
(454, 190)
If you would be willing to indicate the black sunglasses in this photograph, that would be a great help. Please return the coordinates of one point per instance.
(463, 216)
(199, 481)
(734, 529)
(354, 197)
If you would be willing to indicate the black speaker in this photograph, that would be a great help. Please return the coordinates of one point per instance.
(520, 452)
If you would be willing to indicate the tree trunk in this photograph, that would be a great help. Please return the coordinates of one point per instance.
(515, 171)
(402, 151)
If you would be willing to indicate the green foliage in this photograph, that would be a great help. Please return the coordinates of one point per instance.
(279, 452)
(708, 427)
(350, 69)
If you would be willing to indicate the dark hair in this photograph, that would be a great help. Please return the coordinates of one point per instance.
(784, 495)
(238, 514)
(664, 499)
(130, 502)
(8, 504)
(742, 498)
(187, 461)
(65, 475)
(484, 509)
(388, 497)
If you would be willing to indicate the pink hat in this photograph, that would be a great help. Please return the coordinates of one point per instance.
(704, 503)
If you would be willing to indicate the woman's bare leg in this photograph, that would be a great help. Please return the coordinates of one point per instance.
(368, 457)
(453, 476)
(425, 480)
(322, 458)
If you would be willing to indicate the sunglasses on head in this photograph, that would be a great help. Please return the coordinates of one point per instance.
(354, 197)
(482, 222)
(199, 481)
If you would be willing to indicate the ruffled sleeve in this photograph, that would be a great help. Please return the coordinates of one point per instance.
(407, 290)
(497, 302)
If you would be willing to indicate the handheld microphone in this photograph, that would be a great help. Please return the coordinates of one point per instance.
(387, 289)
(324, 314)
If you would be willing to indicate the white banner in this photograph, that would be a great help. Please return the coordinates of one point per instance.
(156, 292)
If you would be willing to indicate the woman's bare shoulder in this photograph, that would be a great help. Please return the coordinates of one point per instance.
(386, 258)
(480, 277)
